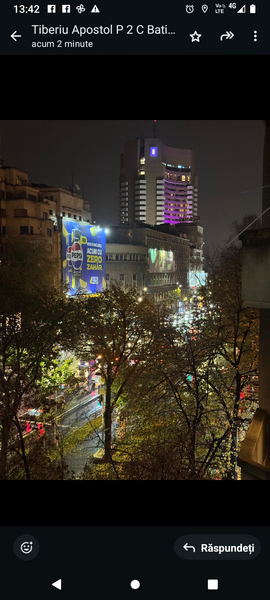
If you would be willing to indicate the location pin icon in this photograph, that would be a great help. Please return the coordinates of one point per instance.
(204, 8)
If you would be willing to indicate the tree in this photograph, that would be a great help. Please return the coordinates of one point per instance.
(26, 269)
(30, 349)
(234, 330)
(32, 311)
(121, 332)
(211, 260)
(170, 423)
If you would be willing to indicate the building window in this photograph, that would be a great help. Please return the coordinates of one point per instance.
(23, 229)
(122, 277)
(69, 215)
(107, 276)
(64, 214)
(32, 197)
(49, 232)
(125, 256)
(31, 229)
(80, 218)
(20, 212)
(50, 212)
(45, 215)
(134, 276)
(4, 230)
(74, 216)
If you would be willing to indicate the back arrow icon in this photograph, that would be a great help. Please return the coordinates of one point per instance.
(186, 547)
(14, 35)
(228, 35)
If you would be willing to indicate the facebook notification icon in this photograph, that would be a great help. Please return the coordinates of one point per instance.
(65, 8)
(51, 8)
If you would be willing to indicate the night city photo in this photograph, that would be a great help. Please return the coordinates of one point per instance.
(134, 300)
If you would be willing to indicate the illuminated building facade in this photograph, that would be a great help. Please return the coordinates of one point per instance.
(154, 259)
(157, 183)
(194, 232)
(34, 209)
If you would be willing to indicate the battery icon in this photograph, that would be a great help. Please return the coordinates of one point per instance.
(252, 8)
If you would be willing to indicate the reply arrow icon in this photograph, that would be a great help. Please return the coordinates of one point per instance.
(186, 547)
(15, 35)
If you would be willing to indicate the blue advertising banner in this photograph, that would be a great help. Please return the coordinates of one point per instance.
(84, 257)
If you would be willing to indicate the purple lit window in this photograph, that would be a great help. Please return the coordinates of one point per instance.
(153, 151)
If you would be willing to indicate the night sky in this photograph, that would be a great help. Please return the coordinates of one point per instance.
(228, 157)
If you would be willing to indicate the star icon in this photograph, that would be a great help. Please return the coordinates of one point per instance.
(195, 36)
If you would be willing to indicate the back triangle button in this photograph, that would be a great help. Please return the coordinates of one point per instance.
(58, 584)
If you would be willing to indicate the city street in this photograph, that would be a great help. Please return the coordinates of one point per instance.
(78, 413)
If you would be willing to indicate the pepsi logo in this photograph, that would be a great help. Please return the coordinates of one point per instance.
(76, 255)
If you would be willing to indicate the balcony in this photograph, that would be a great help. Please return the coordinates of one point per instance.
(256, 263)
(254, 456)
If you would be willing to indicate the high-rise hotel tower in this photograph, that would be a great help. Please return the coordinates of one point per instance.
(157, 183)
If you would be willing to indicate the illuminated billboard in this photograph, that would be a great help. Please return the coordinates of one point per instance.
(197, 278)
(84, 257)
(161, 261)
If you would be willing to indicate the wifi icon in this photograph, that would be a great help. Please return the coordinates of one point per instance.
(242, 10)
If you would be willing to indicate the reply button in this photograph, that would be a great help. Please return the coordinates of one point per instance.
(217, 547)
